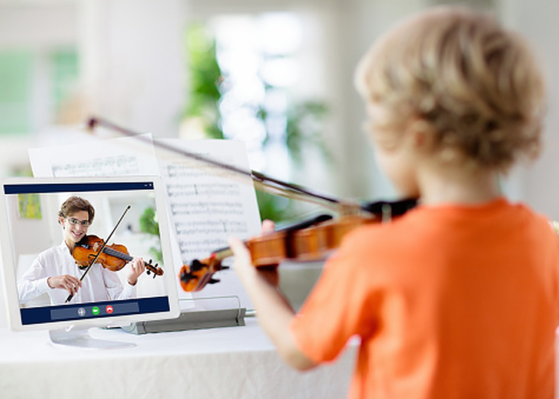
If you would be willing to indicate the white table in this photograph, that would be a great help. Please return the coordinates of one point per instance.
(234, 362)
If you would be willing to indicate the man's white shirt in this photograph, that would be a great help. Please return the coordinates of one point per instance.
(100, 284)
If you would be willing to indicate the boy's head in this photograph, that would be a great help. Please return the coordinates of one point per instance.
(473, 87)
(74, 205)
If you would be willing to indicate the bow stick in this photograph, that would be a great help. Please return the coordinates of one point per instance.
(99, 253)
(267, 183)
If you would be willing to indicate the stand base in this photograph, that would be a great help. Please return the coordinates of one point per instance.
(191, 320)
(79, 337)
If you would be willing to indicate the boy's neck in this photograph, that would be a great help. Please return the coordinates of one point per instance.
(459, 187)
(71, 245)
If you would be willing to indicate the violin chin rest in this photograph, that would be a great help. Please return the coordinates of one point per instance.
(196, 265)
(186, 277)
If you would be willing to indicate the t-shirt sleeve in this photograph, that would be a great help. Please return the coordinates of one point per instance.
(555, 227)
(342, 304)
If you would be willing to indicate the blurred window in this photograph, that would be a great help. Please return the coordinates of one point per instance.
(257, 56)
(24, 105)
(16, 77)
(65, 75)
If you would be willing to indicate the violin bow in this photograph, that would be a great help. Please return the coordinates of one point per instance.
(99, 252)
(383, 209)
(264, 182)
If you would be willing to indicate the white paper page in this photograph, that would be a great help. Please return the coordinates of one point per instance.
(125, 156)
(208, 205)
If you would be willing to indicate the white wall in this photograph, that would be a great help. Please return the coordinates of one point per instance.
(360, 23)
(133, 63)
(52, 24)
(130, 52)
(537, 20)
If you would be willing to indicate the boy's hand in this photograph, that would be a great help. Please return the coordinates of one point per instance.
(65, 282)
(137, 267)
(243, 262)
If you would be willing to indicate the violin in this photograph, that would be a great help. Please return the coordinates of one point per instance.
(310, 240)
(113, 258)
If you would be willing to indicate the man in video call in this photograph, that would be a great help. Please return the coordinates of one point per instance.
(56, 272)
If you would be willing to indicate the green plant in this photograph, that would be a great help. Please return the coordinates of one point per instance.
(149, 225)
(205, 80)
(303, 120)
(304, 128)
(273, 207)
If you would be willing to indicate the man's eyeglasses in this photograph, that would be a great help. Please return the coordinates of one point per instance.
(73, 221)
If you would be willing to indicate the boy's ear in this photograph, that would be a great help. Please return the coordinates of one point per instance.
(421, 139)
(421, 134)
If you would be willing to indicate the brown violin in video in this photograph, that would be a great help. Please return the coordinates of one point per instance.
(114, 257)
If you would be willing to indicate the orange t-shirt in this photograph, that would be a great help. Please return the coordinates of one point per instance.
(448, 301)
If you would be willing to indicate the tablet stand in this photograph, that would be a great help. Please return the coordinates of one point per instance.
(194, 318)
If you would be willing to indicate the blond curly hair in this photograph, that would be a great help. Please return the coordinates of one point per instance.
(457, 73)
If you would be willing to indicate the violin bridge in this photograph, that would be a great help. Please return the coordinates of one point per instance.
(349, 209)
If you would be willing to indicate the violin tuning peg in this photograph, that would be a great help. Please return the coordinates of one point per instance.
(213, 281)
(225, 267)
(148, 272)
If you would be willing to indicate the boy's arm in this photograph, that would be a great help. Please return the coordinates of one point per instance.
(272, 308)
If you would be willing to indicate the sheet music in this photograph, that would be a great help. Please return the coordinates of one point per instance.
(206, 205)
(115, 157)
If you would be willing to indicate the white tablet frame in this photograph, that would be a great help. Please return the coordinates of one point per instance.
(8, 267)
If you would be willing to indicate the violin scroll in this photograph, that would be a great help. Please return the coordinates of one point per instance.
(198, 274)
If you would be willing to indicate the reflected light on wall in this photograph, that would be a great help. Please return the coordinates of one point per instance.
(256, 54)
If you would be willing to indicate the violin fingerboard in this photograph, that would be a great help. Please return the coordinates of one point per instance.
(118, 254)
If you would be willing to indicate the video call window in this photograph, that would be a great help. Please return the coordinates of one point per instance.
(38, 235)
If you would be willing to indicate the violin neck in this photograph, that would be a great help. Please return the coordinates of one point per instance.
(128, 258)
(226, 252)
(118, 254)
(221, 254)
